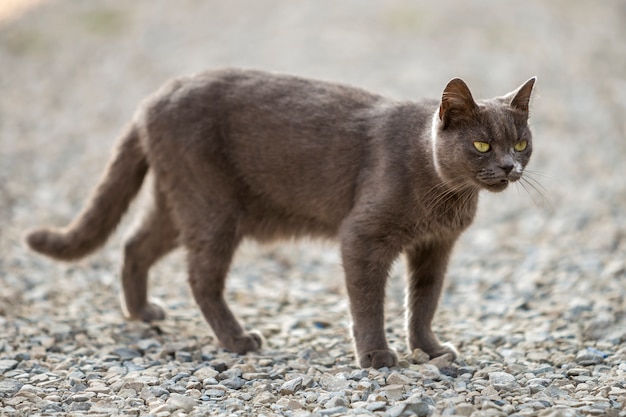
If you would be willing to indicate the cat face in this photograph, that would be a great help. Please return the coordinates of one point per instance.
(485, 144)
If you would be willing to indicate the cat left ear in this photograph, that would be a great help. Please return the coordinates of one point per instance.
(456, 102)
(521, 96)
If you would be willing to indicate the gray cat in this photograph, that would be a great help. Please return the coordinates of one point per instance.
(246, 154)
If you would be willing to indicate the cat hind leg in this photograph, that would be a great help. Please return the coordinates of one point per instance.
(155, 236)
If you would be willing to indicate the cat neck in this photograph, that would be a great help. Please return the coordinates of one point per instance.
(446, 182)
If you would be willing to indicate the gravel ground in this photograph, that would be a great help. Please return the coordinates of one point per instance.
(535, 299)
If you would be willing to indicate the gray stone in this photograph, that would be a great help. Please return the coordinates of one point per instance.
(250, 376)
(291, 387)
(82, 397)
(359, 374)
(543, 369)
(230, 374)
(418, 356)
(52, 408)
(79, 407)
(233, 383)
(126, 354)
(148, 345)
(265, 397)
(376, 406)
(589, 357)
(420, 409)
(464, 409)
(176, 388)
(337, 401)
(233, 403)
(396, 378)
(333, 383)
(159, 391)
(560, 413)
(214, 393)
(333, 411)
(535, 388)
(578, 372)
(76, 376)
(181, 402)
(443, 361)
(7, 365)
(431, 372)
(183, 356)
(196, 385)
(8, 387)
(393, 392)
(503, 381)
(218, 365)
(209, 381)
(179, 376)
(206, 372)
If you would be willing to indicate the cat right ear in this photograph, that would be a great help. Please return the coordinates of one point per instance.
(521, 97)
(457, 103)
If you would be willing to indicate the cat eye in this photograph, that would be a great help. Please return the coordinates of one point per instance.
(520, 146)
(482, 146)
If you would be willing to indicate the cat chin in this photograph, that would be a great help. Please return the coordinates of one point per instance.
(497, 187)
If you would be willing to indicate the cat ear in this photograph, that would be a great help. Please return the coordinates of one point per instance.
(521, 97)
(456, 102)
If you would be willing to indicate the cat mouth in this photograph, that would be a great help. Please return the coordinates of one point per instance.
(496, 186)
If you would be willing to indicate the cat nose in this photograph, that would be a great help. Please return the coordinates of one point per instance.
(507, 167)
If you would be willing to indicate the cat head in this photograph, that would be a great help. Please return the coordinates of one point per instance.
(485, 144)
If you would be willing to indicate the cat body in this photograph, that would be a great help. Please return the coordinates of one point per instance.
(241, 154)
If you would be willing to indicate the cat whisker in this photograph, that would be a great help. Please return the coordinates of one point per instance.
(529, 178)
(528, 184)
(543, 174)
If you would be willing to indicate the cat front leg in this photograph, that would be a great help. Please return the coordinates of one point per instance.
(366, 265)
(426, 267)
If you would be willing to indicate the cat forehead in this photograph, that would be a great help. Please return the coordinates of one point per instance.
(499, 121)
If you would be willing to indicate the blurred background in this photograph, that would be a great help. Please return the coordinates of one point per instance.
(72, 73)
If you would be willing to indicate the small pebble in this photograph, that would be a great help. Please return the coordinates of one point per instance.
(589, 357)
(291, 387)
(181, 402)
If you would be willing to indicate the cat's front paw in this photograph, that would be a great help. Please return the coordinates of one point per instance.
(245, 343)
(378, 359)
(152, 312)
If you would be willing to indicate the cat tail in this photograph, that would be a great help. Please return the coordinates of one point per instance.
(103, 211)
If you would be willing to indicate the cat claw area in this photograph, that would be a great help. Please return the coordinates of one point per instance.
(378, 359)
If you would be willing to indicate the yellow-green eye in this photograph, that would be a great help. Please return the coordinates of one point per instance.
(520, 146)
(481, 146)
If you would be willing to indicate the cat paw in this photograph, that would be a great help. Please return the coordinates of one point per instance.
(152, 311)
(245, 343)
(378, 359)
